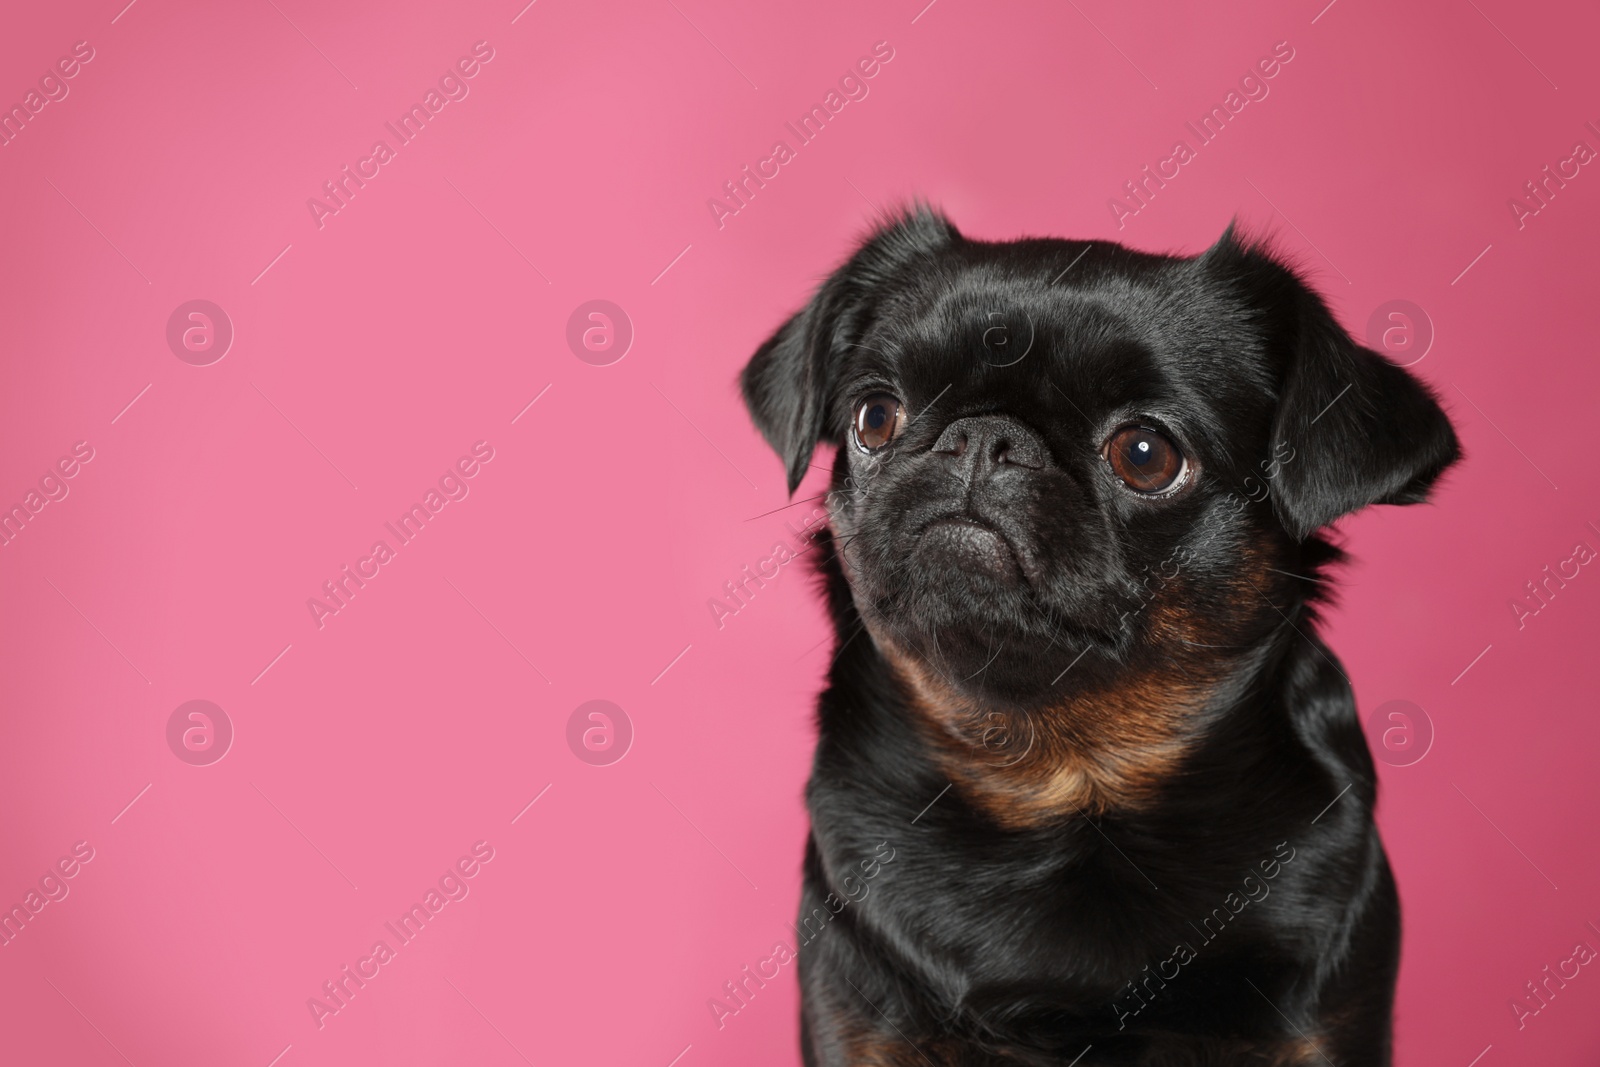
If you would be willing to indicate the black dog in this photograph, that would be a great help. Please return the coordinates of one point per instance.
(1073, 563)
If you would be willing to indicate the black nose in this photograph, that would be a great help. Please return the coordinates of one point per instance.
(982, 446)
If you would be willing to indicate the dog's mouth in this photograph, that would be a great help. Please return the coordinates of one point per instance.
(971, 589)
(971, 546)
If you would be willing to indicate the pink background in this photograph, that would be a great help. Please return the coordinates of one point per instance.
(373, 352)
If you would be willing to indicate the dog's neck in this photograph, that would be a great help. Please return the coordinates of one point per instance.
(1094, 751)
(1114, 737)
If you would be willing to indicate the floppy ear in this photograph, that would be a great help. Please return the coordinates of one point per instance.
(1364, 431)
(789, 382)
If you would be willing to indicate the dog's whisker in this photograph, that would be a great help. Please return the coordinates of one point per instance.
(1291, 574)
(1200, 644)
(992, 658)
(786, 507)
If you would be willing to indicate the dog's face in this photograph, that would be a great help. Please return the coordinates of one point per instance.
(1059, 462)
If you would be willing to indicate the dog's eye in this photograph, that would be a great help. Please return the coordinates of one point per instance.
(1144, 459)
(879, 420)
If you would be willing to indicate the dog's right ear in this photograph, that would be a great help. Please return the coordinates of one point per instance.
(1361, 429)
(788, 383)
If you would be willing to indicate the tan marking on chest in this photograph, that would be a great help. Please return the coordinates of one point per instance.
(1102, 749)
(1097, 752)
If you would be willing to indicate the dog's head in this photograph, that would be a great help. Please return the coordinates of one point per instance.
(1065, 456)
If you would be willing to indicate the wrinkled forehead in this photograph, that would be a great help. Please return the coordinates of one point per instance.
(1104, 346)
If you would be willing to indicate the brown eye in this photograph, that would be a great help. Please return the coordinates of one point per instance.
(879, 420)
(1144, 459)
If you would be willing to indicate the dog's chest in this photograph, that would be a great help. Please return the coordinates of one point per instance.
(1021, 924)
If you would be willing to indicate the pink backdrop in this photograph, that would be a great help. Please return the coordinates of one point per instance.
(375, 345)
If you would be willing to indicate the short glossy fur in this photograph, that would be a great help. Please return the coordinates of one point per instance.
(1128, 794)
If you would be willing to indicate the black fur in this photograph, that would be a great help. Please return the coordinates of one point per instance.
(993, 940)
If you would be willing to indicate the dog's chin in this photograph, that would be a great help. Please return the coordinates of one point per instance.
(952, 574)
(960, 605)
(989, 664)
(967, 556)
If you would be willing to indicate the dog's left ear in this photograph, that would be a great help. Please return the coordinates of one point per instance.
(789, 381)
(1363, 430)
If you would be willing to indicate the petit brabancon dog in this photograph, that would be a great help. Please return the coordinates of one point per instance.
(1073, 559)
